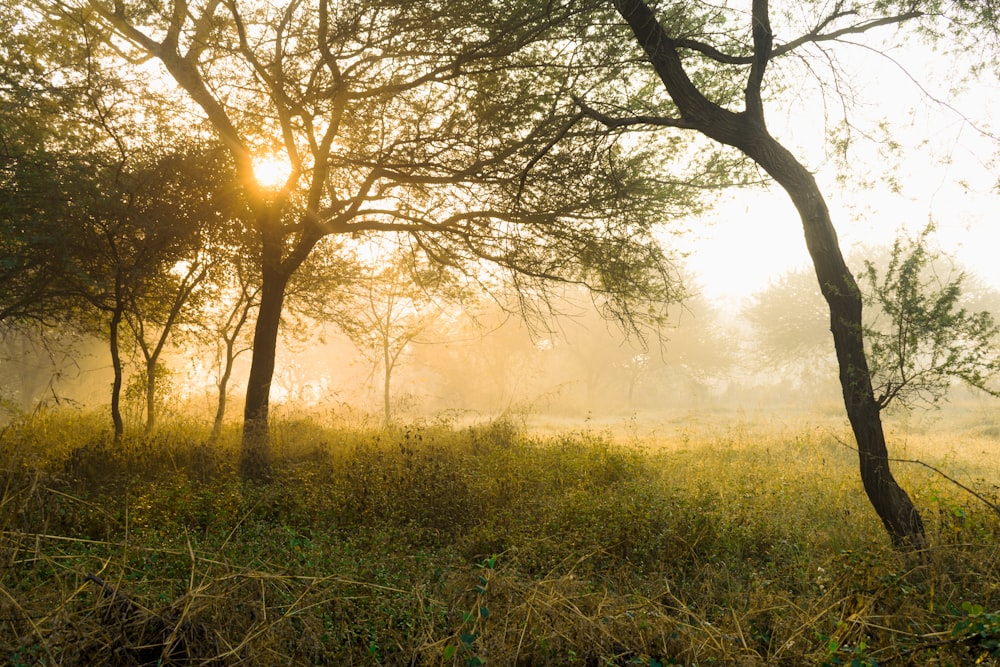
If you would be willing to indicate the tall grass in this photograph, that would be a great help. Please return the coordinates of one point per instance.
(744, 544)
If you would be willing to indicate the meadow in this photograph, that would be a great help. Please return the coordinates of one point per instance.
(702, 541)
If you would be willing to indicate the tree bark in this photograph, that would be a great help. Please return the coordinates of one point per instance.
(220, 408)
(276, 269)
(747, 132)
(116, 385)
(150, 395)
(255, 464)
(838, 286)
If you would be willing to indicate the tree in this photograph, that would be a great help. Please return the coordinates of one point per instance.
(397, 298)
(234, 295)
(164, 312)
(184, 194)
(118, 246)
(712, 64)
(923, 338)
(447, 122)
(107, 233)
(38, 122)
(926, 323)
(99, 208)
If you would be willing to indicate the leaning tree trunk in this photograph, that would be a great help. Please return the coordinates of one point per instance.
(747, 132)
(837, 284)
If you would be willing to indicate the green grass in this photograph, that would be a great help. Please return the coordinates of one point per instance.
(731, 544)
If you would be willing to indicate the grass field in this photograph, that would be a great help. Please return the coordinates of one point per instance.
(700, 541)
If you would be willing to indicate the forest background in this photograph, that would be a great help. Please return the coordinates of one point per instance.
(384, 225)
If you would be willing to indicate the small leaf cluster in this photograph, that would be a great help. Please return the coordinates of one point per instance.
(924, 338)
(979, 628)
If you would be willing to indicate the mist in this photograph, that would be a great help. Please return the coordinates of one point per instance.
(480, 359)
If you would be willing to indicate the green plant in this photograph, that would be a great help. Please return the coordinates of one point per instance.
(464, 643)
(980, 630)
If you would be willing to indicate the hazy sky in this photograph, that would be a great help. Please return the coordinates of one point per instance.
(944, 169)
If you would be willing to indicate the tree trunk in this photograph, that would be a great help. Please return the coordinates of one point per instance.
(747, 131)
(220, 412)
(276, 269)
(837, 284)
(220, 409)
(116, 385)
(150, 395)
(255, 455)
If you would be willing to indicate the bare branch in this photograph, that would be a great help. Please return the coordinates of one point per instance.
(986, 501)
(612, 122)
(762, 41)
(816, 35)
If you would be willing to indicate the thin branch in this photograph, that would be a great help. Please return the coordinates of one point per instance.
(814, 36)
(993, 506)
(542, 153)
(612, 122)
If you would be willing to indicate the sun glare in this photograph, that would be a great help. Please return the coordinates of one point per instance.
(271, 171)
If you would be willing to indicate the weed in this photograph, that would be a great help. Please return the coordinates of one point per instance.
(433, 545)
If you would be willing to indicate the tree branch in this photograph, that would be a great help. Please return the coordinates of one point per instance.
(986, 501)
(763, 39)
(815, 35)
(612, 122)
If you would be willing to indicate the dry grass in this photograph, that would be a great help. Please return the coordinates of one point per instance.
(748, 543)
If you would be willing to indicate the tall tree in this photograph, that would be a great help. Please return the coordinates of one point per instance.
(711, 63)
(118, 246)
(437, 120)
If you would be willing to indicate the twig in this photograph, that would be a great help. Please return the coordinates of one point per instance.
(993, 506)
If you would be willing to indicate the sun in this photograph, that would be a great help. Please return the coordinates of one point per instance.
(271, 171)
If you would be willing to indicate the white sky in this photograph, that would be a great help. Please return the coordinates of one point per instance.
(946, 169)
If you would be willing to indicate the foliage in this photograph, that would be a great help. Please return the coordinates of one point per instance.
(789, 320)
(790, 323)
(923, 338)
(434, 544)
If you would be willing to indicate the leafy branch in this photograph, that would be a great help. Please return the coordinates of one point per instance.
(924, 339)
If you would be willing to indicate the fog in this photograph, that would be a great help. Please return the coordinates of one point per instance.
(770, 353)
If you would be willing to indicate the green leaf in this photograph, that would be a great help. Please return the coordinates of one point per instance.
(972, 609)
(484, 612)
(449, 652)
